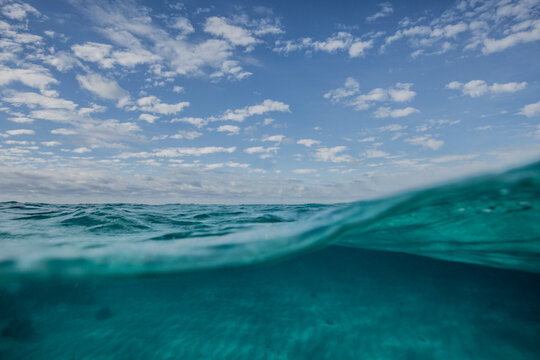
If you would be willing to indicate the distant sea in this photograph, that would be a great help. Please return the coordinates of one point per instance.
(450, 272)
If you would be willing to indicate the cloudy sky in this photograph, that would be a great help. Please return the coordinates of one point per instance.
(261, 101)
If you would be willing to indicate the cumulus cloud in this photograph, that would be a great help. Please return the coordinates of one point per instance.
(304, 171)
(425, 141)
(19, 11)
(248, 111)
(231, 70)
(148, 118)
(350, 95)
(231, 129)
(18, 132)
(264, 152)
(237, 35)
(33, 100)
(342, 41)
(188, 135)
(35, 76)
(476, 88)
(260, 149)
(452, 158)
(178, 152)
(530, 32)
(531, 110)
(308, 142)
(154, 105)
(183, 25)
(109, 133)
(332, 154)
(50, 143)
(384, 112)
(195, 121)
(81, 150)
(491, 26)
(386, 9)
(137, 39)
(273, 138)
(375, 153)
(104, 87)
(392, 127)
(94, 52)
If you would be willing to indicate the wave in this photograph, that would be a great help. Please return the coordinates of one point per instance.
(493, 220)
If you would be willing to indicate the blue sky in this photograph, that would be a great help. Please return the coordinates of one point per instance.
(262, 101)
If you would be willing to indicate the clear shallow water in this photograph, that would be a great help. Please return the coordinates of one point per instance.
(123, 281)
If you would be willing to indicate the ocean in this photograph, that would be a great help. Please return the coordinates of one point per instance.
(447, 272)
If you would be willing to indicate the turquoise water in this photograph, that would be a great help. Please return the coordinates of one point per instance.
(451, 272)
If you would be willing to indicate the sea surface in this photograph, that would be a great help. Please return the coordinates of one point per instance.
(449, 272)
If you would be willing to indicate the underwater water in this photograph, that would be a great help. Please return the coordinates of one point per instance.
(450, 272)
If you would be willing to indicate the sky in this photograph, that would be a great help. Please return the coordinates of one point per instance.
(262, 101)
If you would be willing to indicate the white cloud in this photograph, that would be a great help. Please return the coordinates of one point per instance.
(58, 115)
(350, 88)
(531, 110)
(188, 135)
(81, 150)
(178, 152)
(268, 121)
(452, 158)
(231, 129)
(183, 24)
(231, 70)
(63, 131)
(154, 105)
(425, 141)
(262, 108)
(230, 164)
(195, 121)
(61, 60)
(18, 132)
(265, 152)
(384, 112)
(235, 34)
(342, 41)
(21, 119)
(94, 52)
(106, 57)
(367, 139)
(510, 87)
(375, 153)
(170, 53)
(32, 100)
(304, 171)
(392, 127)
(358, 48)
(386, 10)
(331, 154)
(476, 88)
(308, 142)
(402, 92)
(36, 76)
(491, 26)
(104, 88)
(19, 11)
(274, 138)
(50, 143)
(350, 95)
(260, 149)
(108, 133)
(148, 118)
(529, 34)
